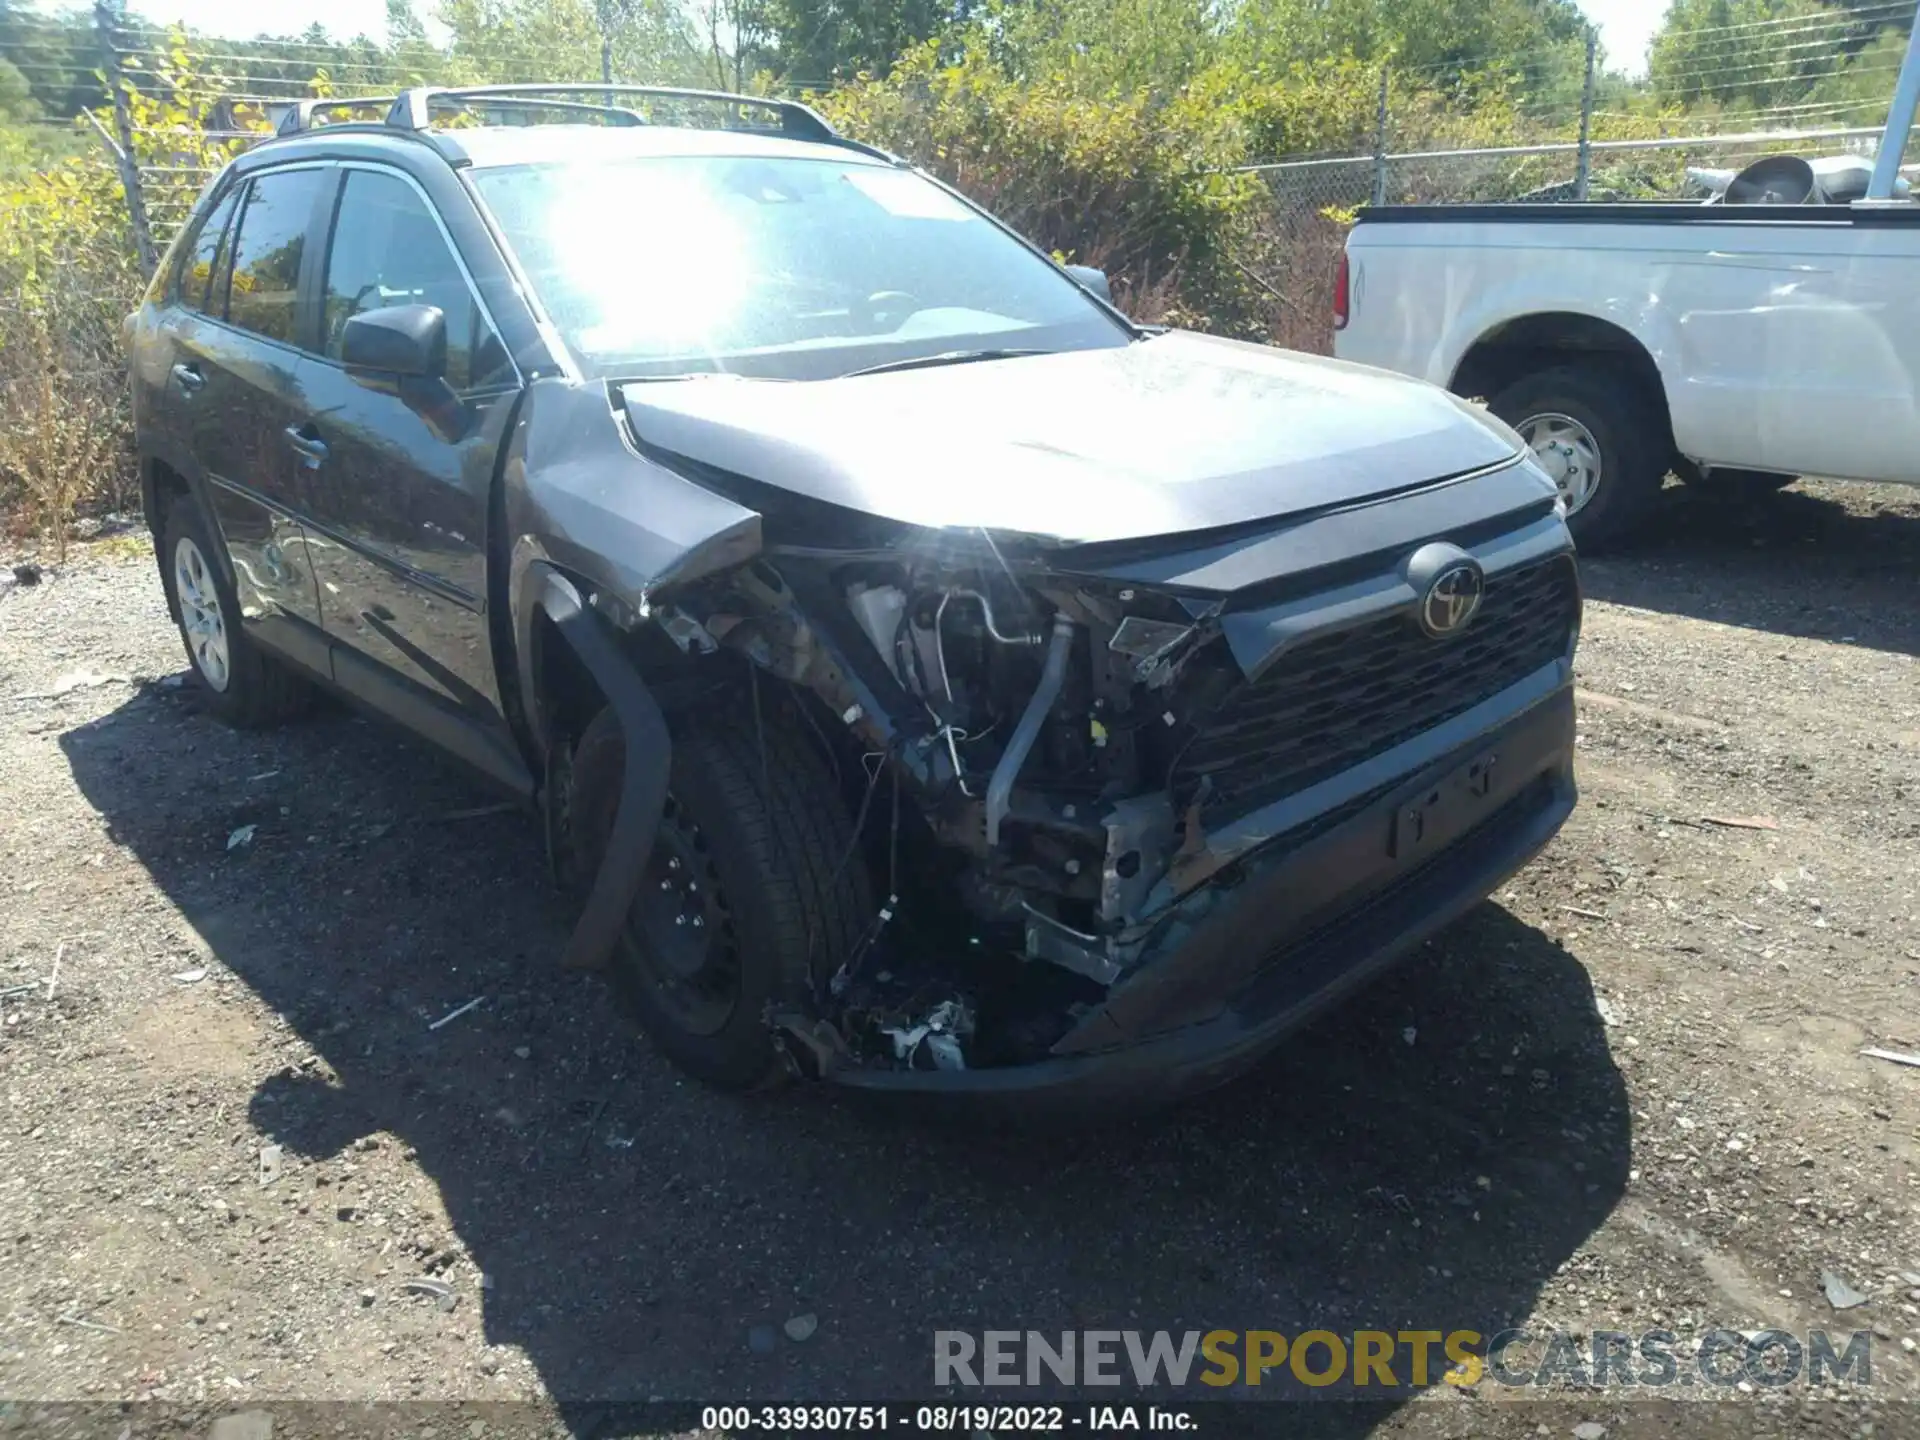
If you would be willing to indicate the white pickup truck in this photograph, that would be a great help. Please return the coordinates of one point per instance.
(1770, 333)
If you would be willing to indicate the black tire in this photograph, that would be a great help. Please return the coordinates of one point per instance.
(1738, 484)
(781, 893)
(260, 691)
(1629, 430)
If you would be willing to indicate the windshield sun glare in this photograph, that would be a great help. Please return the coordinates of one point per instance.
(780, 267)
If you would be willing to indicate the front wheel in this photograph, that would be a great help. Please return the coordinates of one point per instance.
(753, 895)
(1601, 437)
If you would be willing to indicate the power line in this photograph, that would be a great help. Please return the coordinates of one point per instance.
(1843, 19)
(1793, 77)
(1824, 46)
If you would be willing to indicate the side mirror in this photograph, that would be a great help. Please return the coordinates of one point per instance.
(1092, 279)
(402, 340)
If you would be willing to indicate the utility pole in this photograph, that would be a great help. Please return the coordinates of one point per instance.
(1380, 141)
(104, 20)
(1893, 141)
(1585, 166)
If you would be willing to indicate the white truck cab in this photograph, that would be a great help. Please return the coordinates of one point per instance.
(1769, 333)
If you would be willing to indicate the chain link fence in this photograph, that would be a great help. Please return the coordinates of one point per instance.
(1611, 170)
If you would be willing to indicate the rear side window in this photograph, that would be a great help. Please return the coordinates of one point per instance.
(203, 260)
(264, 291)
(389, 250)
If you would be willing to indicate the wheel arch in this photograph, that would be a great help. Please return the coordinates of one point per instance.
(571, 658)
(1512, 348)
(164, 484)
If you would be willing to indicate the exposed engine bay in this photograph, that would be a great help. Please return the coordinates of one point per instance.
(1010, 749)
(1034, 760)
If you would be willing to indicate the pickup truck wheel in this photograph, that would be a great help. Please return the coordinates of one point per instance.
(238, 681)
(1601, 438)
(752, 896)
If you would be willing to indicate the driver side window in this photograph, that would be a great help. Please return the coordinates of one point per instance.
(388, 250)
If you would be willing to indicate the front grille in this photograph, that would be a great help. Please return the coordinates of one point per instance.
(1342, 697)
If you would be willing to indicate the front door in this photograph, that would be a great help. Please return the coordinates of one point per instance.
(398, 514)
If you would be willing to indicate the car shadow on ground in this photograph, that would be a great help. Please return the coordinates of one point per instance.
(1423, 1159)
(1799, 562)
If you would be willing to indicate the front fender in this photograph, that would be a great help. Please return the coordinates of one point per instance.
(579, 494)
(643, 785)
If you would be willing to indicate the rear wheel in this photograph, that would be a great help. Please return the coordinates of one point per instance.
(752, 897)
(238, 681)
(1602, 438)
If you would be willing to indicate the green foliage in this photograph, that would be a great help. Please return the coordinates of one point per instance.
(16, 95)
(1786, 53)
(1103, 46)
(1128, 182)
(818, 42)
(56, 55)
(1441, 43)
(67, 275)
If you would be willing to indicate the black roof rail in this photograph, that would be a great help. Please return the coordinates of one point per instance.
(411, 109)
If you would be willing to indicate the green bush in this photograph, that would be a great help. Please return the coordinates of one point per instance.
(67, 276)
(1135, 184)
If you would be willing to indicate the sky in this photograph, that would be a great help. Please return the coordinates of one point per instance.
(1625, 25)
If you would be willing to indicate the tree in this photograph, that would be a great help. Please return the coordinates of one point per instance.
(1753, 54)
(1105, 45)
(566, 40)
(645, 42)
(820, 41)
(16, 96)
(1436, 42)
(56, 54)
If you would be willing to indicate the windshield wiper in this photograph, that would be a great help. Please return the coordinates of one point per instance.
(945, 357)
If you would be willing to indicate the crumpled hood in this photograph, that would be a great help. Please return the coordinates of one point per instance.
(1178, 433)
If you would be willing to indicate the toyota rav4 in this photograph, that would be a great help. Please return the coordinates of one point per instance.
(927, 678)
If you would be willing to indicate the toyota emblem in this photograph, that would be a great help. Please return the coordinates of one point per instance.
(1451, 599)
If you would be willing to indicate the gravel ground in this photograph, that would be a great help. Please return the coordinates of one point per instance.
(1627, 1094)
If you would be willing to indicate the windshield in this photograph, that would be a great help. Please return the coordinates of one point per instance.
(786, 268)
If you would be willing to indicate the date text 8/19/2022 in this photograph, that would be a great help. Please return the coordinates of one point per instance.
(944, 1418)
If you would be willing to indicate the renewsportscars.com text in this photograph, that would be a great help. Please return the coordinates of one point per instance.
(1378, 1361)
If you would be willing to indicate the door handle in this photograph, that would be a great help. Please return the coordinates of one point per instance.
(311, 449)
(188, 378)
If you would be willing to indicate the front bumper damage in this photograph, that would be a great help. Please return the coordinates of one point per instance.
(1124, 868)
(1249, 958)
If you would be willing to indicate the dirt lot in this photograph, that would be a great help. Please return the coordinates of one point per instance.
(1627, 1095)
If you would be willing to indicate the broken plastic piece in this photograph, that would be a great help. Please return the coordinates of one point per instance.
(941, 1031)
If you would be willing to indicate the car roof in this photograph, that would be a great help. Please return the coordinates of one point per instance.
(494, 146)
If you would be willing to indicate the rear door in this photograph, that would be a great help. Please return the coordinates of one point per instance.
(399, 509)
(235, 377)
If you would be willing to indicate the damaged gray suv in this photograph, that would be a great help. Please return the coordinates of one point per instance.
(927, 679)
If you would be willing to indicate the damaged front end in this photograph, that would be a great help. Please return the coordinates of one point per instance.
(1133, 811)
